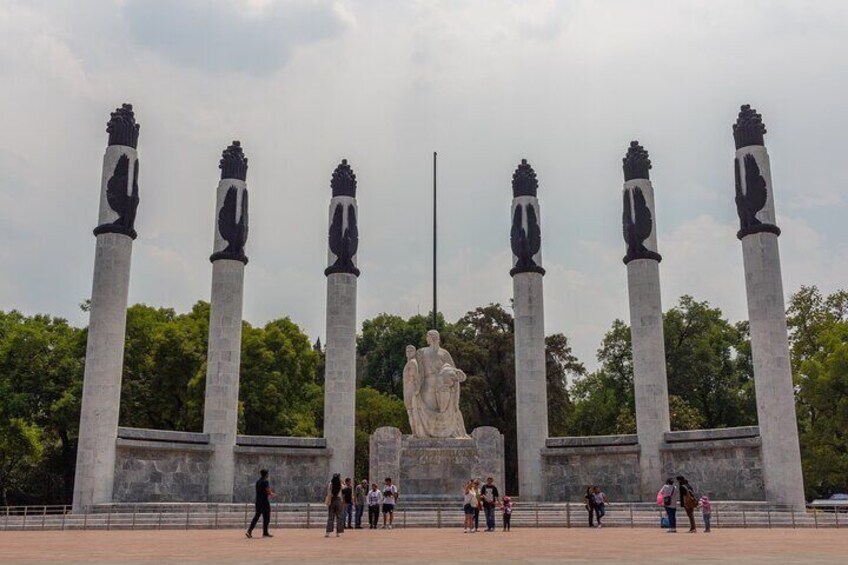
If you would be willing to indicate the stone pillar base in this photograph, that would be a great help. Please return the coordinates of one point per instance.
(436, 468)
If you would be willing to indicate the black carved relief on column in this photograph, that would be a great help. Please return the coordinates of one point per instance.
(749, 128)
(637, 224)
(232, 230)
(233, 163)
(122, 199)
(344, 241)
(525, 243)
(524, 182)
(636, 163)
(122, 127)
(753, 199)
(343, 182)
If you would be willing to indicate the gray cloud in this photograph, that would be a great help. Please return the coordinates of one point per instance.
(224, 35)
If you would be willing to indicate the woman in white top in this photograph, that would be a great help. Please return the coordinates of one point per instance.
(469, 501)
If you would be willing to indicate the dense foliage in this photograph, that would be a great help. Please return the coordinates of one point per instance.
(709, 374)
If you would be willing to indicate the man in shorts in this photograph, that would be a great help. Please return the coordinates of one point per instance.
(390, 496)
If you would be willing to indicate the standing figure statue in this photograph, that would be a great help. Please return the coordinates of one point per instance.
(431, 391)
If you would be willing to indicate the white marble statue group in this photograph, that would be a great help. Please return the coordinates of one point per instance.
(431, 391)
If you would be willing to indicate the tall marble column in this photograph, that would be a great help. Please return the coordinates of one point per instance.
(531, 392)
(340, 352)
(646, 320)
(104, 357)
(220, 414)
(782, 477)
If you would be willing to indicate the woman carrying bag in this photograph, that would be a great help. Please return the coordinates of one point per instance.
(333, 501)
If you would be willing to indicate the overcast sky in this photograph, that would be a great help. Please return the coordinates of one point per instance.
(304, 84)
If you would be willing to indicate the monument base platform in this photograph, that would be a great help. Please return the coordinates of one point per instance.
(432, 468)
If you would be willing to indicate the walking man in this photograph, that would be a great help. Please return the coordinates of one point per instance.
(490, 496)
(263, 505)
(347, 499)
(390, 496)
(359, 495)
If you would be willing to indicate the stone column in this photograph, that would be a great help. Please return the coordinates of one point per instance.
(104, 357)
(531, 392)
(646, 320)
(340, 352)
(220, 414)
(782, 477)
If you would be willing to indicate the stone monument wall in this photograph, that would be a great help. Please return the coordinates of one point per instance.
(167, 466)
(436, 467)
(573, 463)
(161, 466)
(724, 462)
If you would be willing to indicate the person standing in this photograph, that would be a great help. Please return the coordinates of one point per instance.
(478, 505)
(706, 512)
(390, 496)
(600, 503)
(590, 505)
(469, 503)
(334, 506)
(507, 513)
(491, 498)
(688, 500)
(263, 505)
(347, 500)
(359, 495)
(375, 499)
(668, 491)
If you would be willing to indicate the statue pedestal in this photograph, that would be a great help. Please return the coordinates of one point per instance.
(436, 468)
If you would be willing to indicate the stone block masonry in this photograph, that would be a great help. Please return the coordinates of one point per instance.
(436, 468)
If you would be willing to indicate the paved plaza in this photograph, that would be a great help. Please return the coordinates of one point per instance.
(428, 546)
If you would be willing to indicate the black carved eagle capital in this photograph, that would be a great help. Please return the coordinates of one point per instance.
(637, 220)
(525, 237)
(343, 237)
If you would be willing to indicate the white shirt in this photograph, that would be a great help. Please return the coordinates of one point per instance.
(375, 498)
(389, 490)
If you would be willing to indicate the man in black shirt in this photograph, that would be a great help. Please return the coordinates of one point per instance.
(263, 505)
(347, 499)
(490, 495)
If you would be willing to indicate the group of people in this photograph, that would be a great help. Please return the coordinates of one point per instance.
(596, 502)
(485, 498)
(686, 494)
(346, 504)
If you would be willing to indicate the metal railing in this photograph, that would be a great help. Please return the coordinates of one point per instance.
(149, 516)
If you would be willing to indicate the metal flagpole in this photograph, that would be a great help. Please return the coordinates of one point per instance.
(435, 308)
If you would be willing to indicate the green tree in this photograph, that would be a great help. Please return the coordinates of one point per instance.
(819, 338)
(21, 452)
(375, 409)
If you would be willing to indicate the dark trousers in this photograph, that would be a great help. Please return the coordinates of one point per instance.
(592, 511)
(373, 515)
(348, 513)
(476, 518)
(334, 516)
(490, 516)
(690, 512)
(264, 511)
(600, 512)
(671, 512)
(360, 508)
(506, 518)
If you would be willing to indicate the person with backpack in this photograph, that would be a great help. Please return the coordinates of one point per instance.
(667, 493)
(688, 500)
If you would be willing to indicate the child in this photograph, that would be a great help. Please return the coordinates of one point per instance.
(706, 512)
(507, 512)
